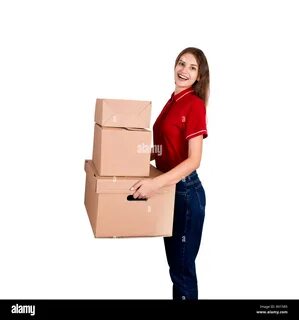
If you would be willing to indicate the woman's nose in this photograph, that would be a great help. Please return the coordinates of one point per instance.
(184, 69)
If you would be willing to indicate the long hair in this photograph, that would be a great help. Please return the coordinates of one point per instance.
(201, 87)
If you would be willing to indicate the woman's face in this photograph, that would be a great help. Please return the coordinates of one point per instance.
(186, 72)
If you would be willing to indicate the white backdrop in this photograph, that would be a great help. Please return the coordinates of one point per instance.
(57, 57)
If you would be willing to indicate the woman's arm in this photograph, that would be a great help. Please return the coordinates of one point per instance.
(145, 188)
(185, 167)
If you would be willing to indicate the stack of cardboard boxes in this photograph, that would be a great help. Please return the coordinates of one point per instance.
(121, 157)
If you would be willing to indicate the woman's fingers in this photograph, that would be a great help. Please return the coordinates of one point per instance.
(136, 185)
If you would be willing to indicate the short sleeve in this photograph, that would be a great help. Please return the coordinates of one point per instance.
(196, 123)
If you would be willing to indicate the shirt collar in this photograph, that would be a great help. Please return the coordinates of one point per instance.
(178, 96)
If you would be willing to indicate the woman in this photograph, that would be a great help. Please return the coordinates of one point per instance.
(179, 131)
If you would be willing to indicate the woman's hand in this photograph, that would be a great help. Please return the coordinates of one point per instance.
(144, 189)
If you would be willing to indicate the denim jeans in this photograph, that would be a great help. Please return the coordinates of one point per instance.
(182, 248)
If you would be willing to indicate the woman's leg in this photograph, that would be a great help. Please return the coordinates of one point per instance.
(182, 248)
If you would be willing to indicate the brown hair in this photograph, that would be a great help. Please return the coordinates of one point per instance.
(201, 87)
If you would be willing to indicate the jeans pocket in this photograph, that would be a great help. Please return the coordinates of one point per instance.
(180, 189)
(180, 193)
(201, 195)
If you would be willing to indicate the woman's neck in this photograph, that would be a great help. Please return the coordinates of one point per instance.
(179, 89)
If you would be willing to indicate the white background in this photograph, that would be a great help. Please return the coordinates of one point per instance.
(57, 57)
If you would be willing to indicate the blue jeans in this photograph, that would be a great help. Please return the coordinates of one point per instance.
(182, 248)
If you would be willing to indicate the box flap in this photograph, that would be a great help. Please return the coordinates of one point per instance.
(119, 184)
(123, 113)
(122, 128)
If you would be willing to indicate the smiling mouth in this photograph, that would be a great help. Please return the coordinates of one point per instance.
(182, 77)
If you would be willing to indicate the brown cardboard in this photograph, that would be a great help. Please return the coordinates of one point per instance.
(112, 215)
(121, 151)
(123, 113)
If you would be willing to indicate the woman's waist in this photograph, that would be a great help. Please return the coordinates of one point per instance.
(192, 180)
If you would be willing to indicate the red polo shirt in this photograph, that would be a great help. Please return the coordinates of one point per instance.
(182, 118)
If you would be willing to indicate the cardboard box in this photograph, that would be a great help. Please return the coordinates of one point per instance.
(112, 214)
(121, 151)
(123, 113)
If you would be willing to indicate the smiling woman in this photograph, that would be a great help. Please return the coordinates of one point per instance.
(191, 59)
(179, 130)
(186, 72)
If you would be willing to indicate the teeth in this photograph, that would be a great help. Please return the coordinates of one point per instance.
(182, 77)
